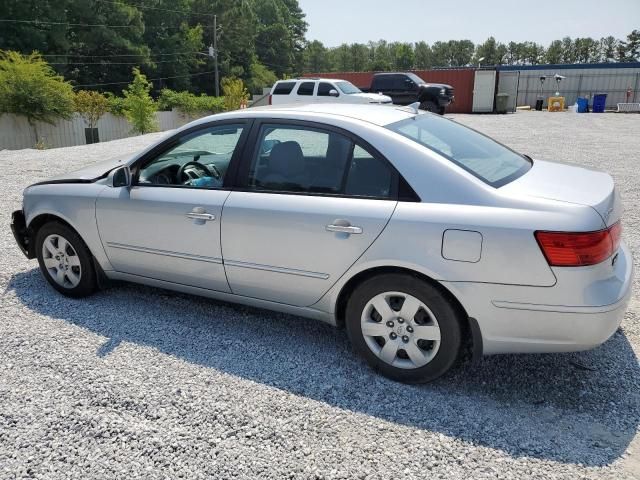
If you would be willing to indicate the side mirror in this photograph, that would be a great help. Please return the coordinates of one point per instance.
(333, 93)
(120, 177)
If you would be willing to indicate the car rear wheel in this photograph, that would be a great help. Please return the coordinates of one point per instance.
(404, 327)
(65, 260)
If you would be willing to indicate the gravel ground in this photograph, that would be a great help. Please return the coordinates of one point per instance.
(139, 382)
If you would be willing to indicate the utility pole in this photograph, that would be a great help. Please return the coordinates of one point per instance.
(215, 53)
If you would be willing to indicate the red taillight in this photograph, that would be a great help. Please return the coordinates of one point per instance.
(568, 249)
(270, 96)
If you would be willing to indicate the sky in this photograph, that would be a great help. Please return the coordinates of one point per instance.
(348, 21)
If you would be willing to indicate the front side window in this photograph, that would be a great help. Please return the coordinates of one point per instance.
(485, 158)
(200, 159)
(308, 160)
(306, 88)
(324, 89)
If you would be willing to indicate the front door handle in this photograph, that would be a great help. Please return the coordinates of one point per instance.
(207, 217)
(349, 229)
(200, 214)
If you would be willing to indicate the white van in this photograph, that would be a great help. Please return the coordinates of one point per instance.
(321, 90)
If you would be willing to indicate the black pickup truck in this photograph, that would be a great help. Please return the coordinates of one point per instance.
(408, 88)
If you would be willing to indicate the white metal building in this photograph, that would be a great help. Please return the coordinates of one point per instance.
(523, 84)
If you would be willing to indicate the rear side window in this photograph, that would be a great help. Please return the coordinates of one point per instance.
(306, 88)
(483, 157)
(324, 89)
(369, 176)
(284, 88)
(314, 161)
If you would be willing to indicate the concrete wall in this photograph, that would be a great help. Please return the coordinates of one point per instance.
(16, 133)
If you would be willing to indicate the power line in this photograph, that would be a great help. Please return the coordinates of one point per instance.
(109, 63)
(41, 22)
(117, 55)
(144, 7)
(149, 79)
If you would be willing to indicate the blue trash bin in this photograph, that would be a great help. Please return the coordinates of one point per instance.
(599, 102)
(583, 105)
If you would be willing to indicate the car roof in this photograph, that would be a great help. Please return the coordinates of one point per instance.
(376, 114)
(313, 79)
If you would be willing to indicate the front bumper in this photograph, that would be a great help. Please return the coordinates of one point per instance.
(580, 312)
(21, 233)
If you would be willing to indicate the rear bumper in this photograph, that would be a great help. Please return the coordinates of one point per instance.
(570, 316)
(21, 233)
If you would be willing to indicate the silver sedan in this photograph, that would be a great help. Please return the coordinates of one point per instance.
(422, 237)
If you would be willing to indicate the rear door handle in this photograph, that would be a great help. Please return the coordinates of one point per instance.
(349, 229)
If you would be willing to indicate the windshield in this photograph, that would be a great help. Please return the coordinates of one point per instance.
(485, 158)
(348, 88)
(416, 79)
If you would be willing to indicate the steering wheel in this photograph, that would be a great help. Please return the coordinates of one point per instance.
(197, 166)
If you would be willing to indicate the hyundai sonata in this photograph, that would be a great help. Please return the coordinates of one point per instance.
(418, 234)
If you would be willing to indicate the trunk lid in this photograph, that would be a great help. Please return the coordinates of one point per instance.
(566, 183)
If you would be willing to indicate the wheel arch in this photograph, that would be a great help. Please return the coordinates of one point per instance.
(41, 219)
(470, 328)
(426, 95)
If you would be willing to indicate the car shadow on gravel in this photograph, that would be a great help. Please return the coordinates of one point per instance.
(581, 408)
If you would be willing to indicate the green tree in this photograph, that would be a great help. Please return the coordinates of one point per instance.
(316, 57)
(423, 55)
(91, 106)
(460, 52)
(493, 52)
(402, 55)
(629, 51)
(441, 54)
(379, 56)
(609, 49)
(568, 50)
(31, 88)
(359, 56)
(261, 77)
(554, 52)
(139, 107)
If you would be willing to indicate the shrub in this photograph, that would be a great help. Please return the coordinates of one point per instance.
(188, 103)
(30, 87)
(115, 104)
(235, 93)
(139, 107)
(91, 106)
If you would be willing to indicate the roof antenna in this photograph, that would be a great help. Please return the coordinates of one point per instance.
(415, 107)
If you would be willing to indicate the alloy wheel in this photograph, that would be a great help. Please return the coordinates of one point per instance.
(61, 261)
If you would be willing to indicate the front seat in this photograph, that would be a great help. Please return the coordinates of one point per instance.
(286, 168)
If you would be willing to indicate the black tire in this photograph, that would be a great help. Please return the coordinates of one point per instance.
(430, 106)
(447, 316)
(87, 275)
(442, 110)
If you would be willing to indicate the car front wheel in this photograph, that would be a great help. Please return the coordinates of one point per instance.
(430, 106)
(65, 260)
(404, 327)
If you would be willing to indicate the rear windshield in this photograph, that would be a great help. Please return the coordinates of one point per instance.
(284, 88)
(485, 158)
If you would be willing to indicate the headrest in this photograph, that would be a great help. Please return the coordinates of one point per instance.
(286, 158)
